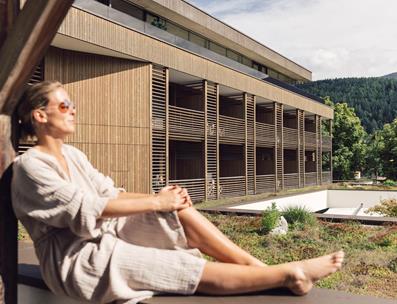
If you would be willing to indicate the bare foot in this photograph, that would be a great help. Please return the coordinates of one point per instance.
(305, 273)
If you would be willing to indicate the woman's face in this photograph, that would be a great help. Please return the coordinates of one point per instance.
(59, 114)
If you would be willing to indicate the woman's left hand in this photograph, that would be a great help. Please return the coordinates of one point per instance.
(183, 192)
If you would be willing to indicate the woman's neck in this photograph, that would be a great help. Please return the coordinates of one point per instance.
(50, 145)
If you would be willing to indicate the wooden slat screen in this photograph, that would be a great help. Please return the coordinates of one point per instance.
(195, 187)
(159, 125)
(310, 179)
(211, 140)
(310, 139)
(265, 183)
(186, 123)
(232, 186)
(264, 135)
(301, 147)
(279, 155)
(250, 153)
(319, 151)
(291, 180)
(290, 137)
(231, 130)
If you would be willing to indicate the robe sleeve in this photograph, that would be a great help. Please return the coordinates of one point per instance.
(48, 198)
(103, 184)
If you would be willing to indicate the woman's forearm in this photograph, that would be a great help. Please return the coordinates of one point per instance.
(127, 204)
(127, 195)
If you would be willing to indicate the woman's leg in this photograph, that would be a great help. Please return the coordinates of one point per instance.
(222, 278)
(202, 234)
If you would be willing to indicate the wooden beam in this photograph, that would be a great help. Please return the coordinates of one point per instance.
(26, 44)
(23, 41)
(9, 9)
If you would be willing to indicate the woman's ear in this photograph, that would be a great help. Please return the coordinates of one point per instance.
(39, 116)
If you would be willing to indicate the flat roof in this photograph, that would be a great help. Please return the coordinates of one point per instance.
(201, 22)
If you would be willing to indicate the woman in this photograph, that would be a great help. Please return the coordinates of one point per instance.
(99, 244)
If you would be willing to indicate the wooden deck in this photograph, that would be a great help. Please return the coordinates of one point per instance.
(29, 274)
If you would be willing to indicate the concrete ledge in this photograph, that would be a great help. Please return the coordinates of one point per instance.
(32, 287)
(316, 296)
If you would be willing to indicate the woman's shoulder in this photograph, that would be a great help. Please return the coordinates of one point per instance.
(34, 165)
(74, 152)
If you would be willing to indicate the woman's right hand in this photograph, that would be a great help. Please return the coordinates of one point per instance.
(171, 198)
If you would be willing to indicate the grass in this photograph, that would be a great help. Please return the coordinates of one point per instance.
(371, 252)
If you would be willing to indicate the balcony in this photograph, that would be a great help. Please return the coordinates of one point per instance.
(195, 187)
(310, 179)
(264, 135)
(291, 180)
(326, 142)
(290, 137)
(326, 177)
(265, 183)
(231, 130)
(186, 123)
(310, 139)
(232, 186)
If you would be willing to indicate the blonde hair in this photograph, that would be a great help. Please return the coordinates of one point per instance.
(35, 97)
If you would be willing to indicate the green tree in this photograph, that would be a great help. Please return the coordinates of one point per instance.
(349, 147)
(374, 163)
(388, 149)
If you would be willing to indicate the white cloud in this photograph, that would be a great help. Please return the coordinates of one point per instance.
(338, 38)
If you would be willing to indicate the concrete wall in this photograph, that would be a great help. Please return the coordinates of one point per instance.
(353, 198)
(313, 201)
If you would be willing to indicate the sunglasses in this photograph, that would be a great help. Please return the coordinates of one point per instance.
(66, 105)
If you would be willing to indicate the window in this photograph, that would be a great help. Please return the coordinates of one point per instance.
(217, 48)
(128, 8)
(198, 40)
(177, 31)
(156, 21)
(232, 55)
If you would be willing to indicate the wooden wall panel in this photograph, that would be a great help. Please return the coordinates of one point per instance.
(112, 97)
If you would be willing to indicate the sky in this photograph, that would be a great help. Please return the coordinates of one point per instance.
(331, 38)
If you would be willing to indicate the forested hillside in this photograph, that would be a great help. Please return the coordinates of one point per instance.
(374, 99)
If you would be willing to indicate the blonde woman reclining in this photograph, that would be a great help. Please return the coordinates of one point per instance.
(98, 244)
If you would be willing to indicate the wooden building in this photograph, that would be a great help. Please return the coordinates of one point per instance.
(166, 93)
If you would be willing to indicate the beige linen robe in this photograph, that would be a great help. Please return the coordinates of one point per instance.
(87, 258)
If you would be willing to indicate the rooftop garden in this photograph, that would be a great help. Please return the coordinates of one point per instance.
(370, 266)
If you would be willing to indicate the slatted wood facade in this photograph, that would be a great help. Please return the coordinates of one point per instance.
(301, 147)
(279, 147)
(319, 151)
(250, 154)
(211, 140)
(113, 112)
(159, 112)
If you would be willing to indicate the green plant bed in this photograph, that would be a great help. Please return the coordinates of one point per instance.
(371, 252)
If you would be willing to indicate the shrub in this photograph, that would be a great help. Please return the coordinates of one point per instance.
(387, 207)
(270, 218)
(390, 183)
(298, 216)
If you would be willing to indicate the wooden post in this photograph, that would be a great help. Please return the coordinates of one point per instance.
(23, 41)
(205, 87)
